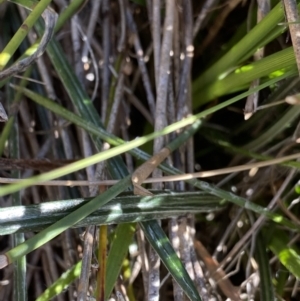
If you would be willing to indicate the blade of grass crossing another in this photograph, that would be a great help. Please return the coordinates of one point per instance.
(123, 209)
(65, 223)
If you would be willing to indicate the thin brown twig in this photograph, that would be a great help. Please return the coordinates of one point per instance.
(217, 273)
(188, 176)
(33, 164)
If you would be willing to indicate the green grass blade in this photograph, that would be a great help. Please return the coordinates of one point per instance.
(266, 286)
(118, 250)
(19, 267)
(62, 283)
(279, 126)
(282, 276)
(19, 36)
(248, 45)
(122, 209)
(288, 255)
(271, 66)
(244, 203)
(161, 244)
(63, 224)
(67, 13)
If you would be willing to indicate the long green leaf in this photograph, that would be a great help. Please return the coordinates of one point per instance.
(160, 242)
(247, 45)
(62, 283)
(266, 286)
(63, 224)
(19, 282)
(17, 39)
(279, 125)
(122, 209)
(288, 255)
(118, 250)
(271, 66)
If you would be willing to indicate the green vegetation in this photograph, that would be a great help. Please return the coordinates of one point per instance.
(101, 97)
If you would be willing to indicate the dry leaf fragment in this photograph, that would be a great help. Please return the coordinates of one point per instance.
(293, 99)
(217, 274)
(143, 171)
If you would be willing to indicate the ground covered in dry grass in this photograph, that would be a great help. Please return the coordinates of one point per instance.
(99, 218)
